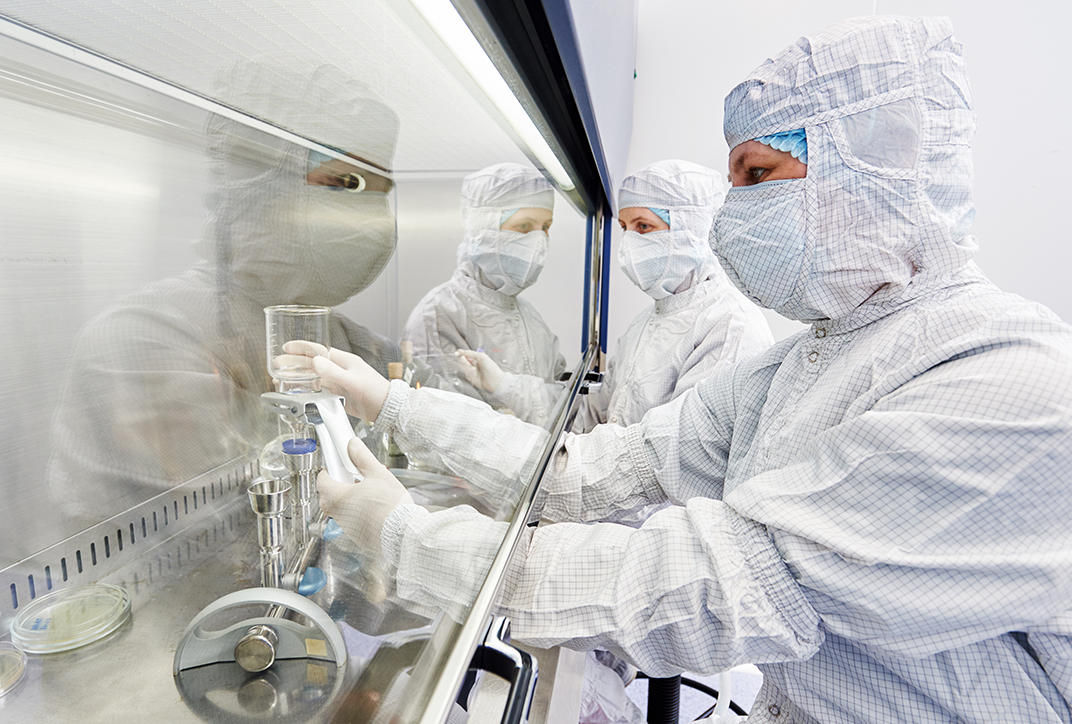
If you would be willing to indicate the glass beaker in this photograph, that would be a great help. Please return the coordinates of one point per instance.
(293, 367)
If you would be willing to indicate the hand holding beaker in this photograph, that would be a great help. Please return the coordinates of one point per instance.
(351, 377)
(296, 334)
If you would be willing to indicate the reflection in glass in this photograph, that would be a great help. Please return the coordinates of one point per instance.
(164, 384)
(288, 322)
(506, 213)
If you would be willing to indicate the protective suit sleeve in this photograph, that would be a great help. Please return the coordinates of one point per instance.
(696, 588)
(435, 328)
(529, 397)
(677, 452)
(594, 406)
(495, 453)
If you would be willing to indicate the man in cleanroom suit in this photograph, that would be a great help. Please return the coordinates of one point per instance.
(874, 511)
(166, 383)
(506, 213)
(698, 322)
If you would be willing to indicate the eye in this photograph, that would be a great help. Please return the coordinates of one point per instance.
(756, 174)
(643, 227)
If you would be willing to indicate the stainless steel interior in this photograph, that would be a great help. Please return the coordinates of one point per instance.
(118, 467)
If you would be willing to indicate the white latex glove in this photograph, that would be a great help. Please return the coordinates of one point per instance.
(480, 370)
(348, 375)
(360, 509)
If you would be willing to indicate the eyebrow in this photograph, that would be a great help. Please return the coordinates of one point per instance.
(738, 163)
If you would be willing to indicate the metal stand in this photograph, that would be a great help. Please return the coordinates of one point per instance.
(664, 700)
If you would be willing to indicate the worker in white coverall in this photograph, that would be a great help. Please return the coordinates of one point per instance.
(873, 511)
(165, 384)
(507, 211)
(698, 322)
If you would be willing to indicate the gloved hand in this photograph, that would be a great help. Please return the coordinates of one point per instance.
(348, 375)
(360, 509)
(480, 370)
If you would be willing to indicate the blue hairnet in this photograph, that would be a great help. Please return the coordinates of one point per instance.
(507, 214)
(663, 214)
(795, 142)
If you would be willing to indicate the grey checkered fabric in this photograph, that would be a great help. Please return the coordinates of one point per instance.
(874, 511)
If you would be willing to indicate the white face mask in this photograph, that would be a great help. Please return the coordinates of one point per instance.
(760, 236)
(318, 247)
(645, 259)
(661, 262)
(510, 262)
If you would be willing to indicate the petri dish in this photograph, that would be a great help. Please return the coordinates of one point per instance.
(12, 666)
(70, 617)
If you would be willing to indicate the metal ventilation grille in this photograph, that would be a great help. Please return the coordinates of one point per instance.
(446, 124)
(216, 501)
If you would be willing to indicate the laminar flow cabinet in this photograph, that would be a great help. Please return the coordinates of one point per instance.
(171, 169)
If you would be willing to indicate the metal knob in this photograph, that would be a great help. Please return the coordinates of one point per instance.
(256, 650)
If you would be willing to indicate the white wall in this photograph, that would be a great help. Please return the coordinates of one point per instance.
(690, 54)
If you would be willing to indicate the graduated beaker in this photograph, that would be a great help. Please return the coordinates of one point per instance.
(292, 367)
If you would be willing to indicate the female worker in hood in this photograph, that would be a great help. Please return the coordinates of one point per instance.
(874, 510)
(506, 212)
(179, 364)
(697, 324)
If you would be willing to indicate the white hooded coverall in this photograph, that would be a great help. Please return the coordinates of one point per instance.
(683, 338)
(875, 511)
(470, 310)
(165, 384)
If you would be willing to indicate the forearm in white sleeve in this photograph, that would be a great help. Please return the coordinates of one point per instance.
(529, 397)
(495, 453)
(440, 560)
(696, 588)
(677, 452)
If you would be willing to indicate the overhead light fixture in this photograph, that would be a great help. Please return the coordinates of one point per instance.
(91, 59)
(455, 34)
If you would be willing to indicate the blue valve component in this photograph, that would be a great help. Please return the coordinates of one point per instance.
(332, 530)
(313, 581)
(299, 446)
